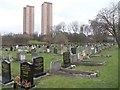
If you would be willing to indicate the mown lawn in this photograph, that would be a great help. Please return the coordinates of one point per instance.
(108, 74)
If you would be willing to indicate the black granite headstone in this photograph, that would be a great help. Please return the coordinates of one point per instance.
(6, 72)
(73, 50)
(38, 66)
(48, 46)
(26, 75)
(55, 51)
(66, 59)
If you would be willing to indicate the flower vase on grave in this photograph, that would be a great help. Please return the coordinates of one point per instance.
(48, 50)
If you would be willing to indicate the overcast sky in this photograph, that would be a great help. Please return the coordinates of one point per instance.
(11, 12)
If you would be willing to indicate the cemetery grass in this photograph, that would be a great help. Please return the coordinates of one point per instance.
(108, 74)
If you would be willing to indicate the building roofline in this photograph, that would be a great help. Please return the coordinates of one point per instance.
(47, 2)
(29, 6)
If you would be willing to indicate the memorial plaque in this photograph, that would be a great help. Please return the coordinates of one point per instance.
(66, 59)
(6, 72)
(26, 75)
(38, 66)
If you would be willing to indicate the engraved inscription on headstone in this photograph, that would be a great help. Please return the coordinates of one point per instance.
(38, 66)
(66, 59)
(26, 75)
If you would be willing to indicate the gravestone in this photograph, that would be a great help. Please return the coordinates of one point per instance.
(38, 66)
(79, 56)
(66, 59)
(55, 66)
(55, 51)
(11, 48)
(26, 75)
(9, 55)
(33, 53)
(74, 58)
(22, 56)
(40, 50)
(96, 49)
(73, 50)
(6, 72)
(17, 55)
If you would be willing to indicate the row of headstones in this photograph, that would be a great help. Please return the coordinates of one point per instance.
(27, 72)
(30, 70)
(56, 67)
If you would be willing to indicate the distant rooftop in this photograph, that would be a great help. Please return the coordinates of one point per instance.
(47, 2)
(29, 6)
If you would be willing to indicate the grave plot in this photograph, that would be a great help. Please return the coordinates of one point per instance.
(98, 55)
(89, 63)
(67, 62)
(6, 72)
(38, 66)
(26, 75)
(78, 60)
(55, 68)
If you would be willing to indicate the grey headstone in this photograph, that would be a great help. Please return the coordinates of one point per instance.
(79, 56)
(74, 58)
(22, 56)
(9, 55)
(55, 66)
(33, 53)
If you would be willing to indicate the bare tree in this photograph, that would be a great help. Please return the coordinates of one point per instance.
(74, 27)
(58, 33)
(107, 20)
(60, 38)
